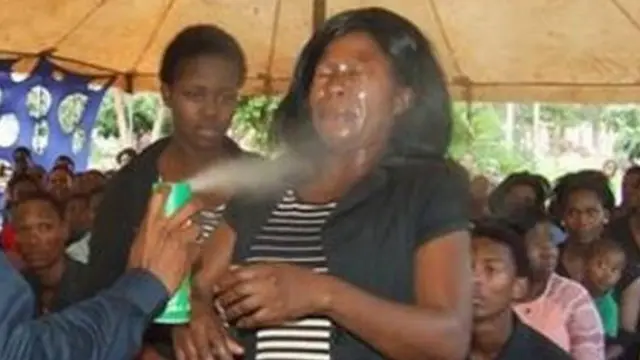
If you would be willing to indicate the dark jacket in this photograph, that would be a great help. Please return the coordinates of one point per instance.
(107, 327)
(117, 220)
(67, 291)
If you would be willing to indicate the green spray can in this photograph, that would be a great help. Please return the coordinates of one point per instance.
(178, 308)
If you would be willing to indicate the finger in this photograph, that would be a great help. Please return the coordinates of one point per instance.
(184, 236)
(155, 208)
(183, 216)
(238, 292)
(221, 350)
(257, 319)
(244, 308)
(236, 275)
(202, 347)
(187, 347)
(233, 346)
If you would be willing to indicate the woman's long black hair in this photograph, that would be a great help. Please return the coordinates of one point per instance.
(424, 128)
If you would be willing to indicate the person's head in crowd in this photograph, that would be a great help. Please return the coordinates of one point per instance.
(59, 182)
(519, 190)
(605, 261)
(94, 179)
(631, 189)
(367, 81)
(41, 231)
(77, 214)
(610, 168)
(21, 159)
(38, 172)
(536, 227)
(480, 190)
(501, 269)
(201, 73)
(125, 156)
(583, 201)
(64, 160)
(21, 185)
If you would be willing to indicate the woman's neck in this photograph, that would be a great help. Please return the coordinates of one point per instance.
(537, 287)
(490, 337)
(51, 276)
(575, 248)
(337, 174)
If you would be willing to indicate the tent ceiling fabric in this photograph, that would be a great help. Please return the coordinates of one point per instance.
(493, 50)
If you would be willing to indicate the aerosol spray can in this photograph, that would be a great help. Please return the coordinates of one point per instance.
(178, 308)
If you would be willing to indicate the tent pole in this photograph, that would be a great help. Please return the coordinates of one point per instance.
(319, 13)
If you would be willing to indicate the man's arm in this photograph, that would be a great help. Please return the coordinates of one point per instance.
(109, 326)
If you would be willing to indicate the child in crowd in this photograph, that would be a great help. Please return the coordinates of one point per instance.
(605, 263)
(79, 251)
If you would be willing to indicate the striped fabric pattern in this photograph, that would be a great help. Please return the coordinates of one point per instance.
(208, 220)
(566, 314)
(292, 234)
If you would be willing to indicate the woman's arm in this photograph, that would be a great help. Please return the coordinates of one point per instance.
(586, 334)
(215, 260)
(437, 327)
(630, 307)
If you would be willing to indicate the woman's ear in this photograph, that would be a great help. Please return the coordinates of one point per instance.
(520, 289)
(402, 101)
(166, 94)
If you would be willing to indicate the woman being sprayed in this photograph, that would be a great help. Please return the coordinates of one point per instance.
(556, 306)
(202, 71)
(368, 258)
(584, 201)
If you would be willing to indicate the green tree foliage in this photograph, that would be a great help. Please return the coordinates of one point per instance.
(143, 107)
(478, 132)
(252, 121)
(625, 121)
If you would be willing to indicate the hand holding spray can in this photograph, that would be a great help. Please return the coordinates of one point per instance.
(178, 308)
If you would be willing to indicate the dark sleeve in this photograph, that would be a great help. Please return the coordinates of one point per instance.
(445, 207)
(629, 275)
(111, 238)
(108, 326)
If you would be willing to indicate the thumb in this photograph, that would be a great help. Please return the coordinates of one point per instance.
(233, 346)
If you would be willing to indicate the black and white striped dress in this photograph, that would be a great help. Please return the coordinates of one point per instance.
(292, 234)
(208, 220)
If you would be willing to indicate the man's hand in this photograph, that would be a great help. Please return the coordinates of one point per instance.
(164, 245)
(205, 337)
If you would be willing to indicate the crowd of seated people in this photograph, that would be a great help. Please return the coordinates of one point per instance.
(584, 279)
(47, 220)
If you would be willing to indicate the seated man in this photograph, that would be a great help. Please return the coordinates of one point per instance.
(501, 271)
(41, 235)
(79, 250)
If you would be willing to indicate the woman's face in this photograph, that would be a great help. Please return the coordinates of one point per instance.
(202, 100)
(519, 196)
(354, 97)
(584, 216)
(543, 255)
(59, 183)
(631, 190)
